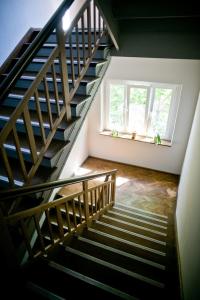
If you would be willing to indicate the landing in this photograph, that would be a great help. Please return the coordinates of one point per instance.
(142, 188)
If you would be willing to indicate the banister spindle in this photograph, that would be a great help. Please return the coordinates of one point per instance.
(78, 50)
(72, 60)
(7, 166)
(63, 69)
(94, 20)
(31, 138)
(89, 30)
(85, 199)
(46, 91)
(53, 71)
(83, 39)
(19, 153)
(39, 113)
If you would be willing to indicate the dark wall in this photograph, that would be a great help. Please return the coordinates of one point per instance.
(161, 37)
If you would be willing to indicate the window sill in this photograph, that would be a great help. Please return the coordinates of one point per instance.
(138, 138)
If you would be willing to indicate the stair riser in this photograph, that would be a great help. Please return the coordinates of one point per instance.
(25, 84)
(61, 135)
(100, 53)
(36, 66)
(52, 38)
(13, 102)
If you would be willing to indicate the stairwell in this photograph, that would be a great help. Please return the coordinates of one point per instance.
(84, 244)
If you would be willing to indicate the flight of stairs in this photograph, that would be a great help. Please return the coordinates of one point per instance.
(127, 254)
(67, 132)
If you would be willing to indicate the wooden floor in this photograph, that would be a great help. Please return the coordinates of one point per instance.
(139, 187)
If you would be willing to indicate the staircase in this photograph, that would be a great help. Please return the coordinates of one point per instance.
(86, 244)
(47, 93)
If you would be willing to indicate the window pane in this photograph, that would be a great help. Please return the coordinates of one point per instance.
(137, 109)
(160, 112)
(116, 109)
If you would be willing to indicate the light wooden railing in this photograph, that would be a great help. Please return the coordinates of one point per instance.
(91, 24)
(71, 213)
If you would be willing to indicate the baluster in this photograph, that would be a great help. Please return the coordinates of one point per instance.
(60, 222)
(89, 30)
(67, 217)
(63, 69)
(49, 226)
(100, 198)
(103, 196)
(74, 213)
(95, 199)
(19, 153)
(46, 91)
(26, 238)
(85, 199)
(72, 60)
(83, 39)
(113, 188)
(40, 116)
(80, 208)
(53, 71)
(7, 166)
(31, 138)
(38, 229)
(94, 15)
(91, 201)
(78, 51)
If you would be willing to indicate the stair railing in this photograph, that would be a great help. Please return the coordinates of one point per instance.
(86, 21)
(73, 212)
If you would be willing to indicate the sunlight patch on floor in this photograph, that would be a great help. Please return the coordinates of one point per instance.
(121, 180)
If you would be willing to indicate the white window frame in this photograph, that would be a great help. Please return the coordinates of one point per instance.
(150, 86)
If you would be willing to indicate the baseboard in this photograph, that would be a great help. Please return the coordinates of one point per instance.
(178, 259)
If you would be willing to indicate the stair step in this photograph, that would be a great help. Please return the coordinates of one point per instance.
(139, 228)
(140, 242)
(136, 209)
(117, 257)
(69, 284)
(136, 230)
(62, 130)
(50, 157)
(41, 175)
(101, 52)
(140, 216)
(14, 98)
(25, 81)
(109, 274)
(40, 291)
(138, 221)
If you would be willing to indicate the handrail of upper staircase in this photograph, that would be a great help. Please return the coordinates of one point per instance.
(28, 190)
(32, 49)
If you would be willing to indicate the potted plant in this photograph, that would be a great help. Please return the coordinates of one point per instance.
(157, 139)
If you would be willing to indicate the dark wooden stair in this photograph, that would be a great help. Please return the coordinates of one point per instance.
(114, 258)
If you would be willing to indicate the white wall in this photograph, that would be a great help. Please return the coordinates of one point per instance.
(168, 159)
(78, 154)
(17, 16)
(187, 214)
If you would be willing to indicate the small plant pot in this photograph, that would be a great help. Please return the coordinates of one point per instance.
(133, 135)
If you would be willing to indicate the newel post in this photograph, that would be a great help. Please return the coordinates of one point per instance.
(63, 68)
(113, 177)
(86, 204)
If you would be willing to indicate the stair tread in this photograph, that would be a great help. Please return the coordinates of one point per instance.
(6, 112)
(94, 61)
(105, 273)
(141, 242)
(65, 284)
(30, 75)
(100, 251)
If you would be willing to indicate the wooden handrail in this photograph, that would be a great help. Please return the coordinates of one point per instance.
(33, 49)
(28, 190)
(83, 206)
(68, 90)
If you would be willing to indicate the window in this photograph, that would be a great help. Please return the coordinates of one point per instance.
(145, 107)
